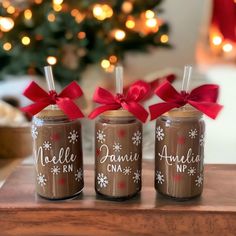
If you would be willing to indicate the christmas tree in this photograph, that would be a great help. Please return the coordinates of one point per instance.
(72, 34)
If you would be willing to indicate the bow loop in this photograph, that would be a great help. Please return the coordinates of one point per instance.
(202, 98)
(128, 102)
(138, 91)
(64, 100)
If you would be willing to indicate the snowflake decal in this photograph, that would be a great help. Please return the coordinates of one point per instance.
(38, 122)
(159, 133)
(137, 176)
(199, 180)
(73, 137)
(34, 132)
(127, 170)
(191, 170)
(102, 180)
(101, 136)
(202, 140)
(117, 147)
(47, 145)
(137, 138)
(192, 133)
(79, 175)
(41, 179)
(55, 170)
(160, 177)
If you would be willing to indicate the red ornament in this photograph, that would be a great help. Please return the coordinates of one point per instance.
(55, 137)
(121, 133)
(121, 185)
(61, 181)
(181, 140)
(177, 177)
(97, 152)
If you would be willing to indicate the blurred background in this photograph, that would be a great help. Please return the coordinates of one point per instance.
(84, 41)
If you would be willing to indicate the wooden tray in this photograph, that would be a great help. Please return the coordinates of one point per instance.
(24, 213)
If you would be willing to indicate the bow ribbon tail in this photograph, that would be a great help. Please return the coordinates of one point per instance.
(158, 109)
(136, 109)
(208, 108)
(97, 111)
(34, 108)
(69, 108)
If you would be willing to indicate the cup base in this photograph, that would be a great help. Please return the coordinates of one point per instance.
(118, 199)
(62, 198)
(179, 199)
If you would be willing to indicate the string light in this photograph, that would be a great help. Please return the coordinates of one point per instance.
(101, 12)
(6, 24)
(28, 14)
(11, 9)
(38, 1)
(127, 7)
(57, 7)
(51, 17)
(79, 17)
(149, 14)
(130, 24)
(227, 47)
(151, 23)
(113, 59)
(105, 63)
(81, 35)
(74, 12)
(119, 34)
(216, 40)
(110, 69)
(164, 38)
(7, 46)
(57, 2)
(25, 40)
(5, 4)
(51, 60)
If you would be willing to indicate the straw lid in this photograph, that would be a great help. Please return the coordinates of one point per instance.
(186, 111)
(51, 112)
(121, 113)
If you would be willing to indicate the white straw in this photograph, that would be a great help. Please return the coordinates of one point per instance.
(49, 77)
(119, 79)
(186, 78)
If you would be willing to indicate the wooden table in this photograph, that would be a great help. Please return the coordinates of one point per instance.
(24, 213)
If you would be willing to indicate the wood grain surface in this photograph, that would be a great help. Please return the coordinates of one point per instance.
(22, 212)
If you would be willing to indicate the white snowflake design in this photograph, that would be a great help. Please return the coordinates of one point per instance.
(41, 179)
(55, 170)
(160, 177)
(47, 145)
(137, 138)
(73, 137)
(102, 180)
(191, 170)
(159, 133)
(127, 170)
(202, 140)
(199, 180)
(38, 122)
(34, 132)
(101, 136)
(117, 147)
(79, 175)
(137, 176)
(193, 133)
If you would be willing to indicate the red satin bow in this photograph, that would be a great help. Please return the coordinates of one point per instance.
(202, 98)
(64, 100)
(130, 101)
